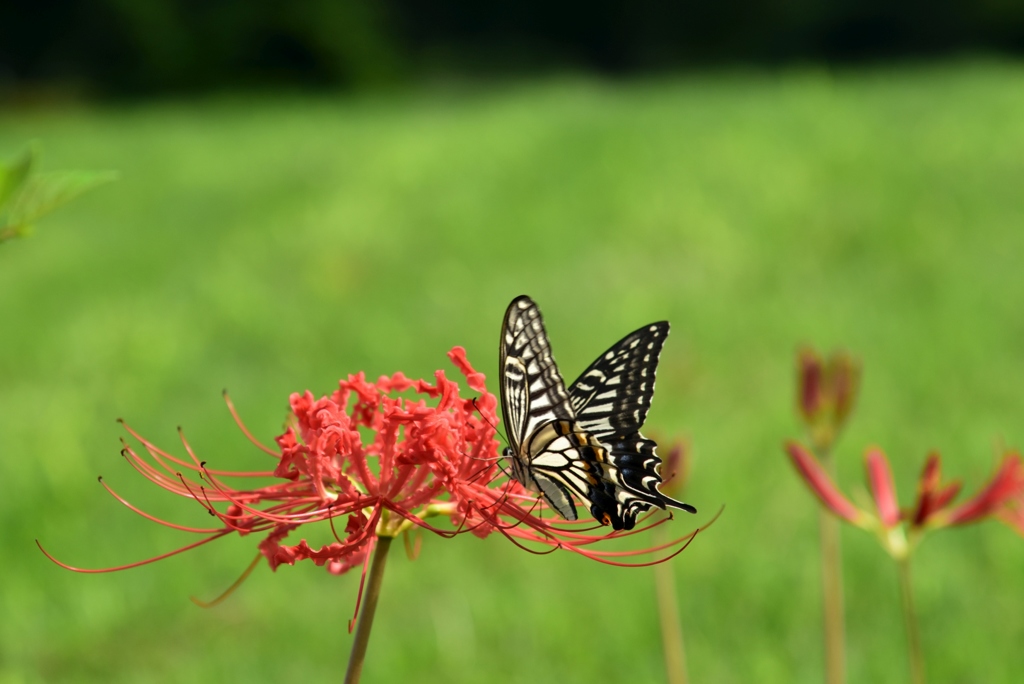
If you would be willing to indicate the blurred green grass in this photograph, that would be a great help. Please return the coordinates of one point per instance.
(273, 245)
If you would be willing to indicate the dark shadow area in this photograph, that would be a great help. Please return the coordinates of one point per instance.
(139, 47)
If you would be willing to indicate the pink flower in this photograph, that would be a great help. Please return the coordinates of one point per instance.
(931, 495)
(1001, 498)
(821, 485)
(371, 463)
(883, 489)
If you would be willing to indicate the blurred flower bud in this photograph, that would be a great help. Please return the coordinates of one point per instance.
(843, 383)
(675, 468)
(826, 393)
(809, 384)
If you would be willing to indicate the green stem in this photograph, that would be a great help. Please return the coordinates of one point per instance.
(668, 612)
(910, 618)
(365, 624)
(832, 587)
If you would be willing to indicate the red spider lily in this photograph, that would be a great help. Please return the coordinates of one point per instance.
(823, 487)
(931, 495)
(1003, 495)
(883, 489)
(1001, 498)
(419, 461)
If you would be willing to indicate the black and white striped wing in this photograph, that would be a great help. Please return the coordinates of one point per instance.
(614, 394)
(561, 459)
(611, 400)
(567, 461)
(532, 390)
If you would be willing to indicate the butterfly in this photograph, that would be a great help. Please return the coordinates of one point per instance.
(583, 442)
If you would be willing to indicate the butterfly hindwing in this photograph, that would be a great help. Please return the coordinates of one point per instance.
(618, 486)
(634, 473)
(611, 399)
(574, 459)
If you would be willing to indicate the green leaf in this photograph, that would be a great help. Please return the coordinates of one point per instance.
(46, 191)
(13, 174)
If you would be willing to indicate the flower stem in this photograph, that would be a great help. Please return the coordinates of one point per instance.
(365, 623)
(832, 586)
(910, 618)
(668, 612)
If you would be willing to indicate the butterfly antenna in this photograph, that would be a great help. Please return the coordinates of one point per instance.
(505, 472)
(493, 426)
(474, 477)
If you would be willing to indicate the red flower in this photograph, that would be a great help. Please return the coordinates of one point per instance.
(822, 486)
(931, 495)
(883, 489)
(1002, 497)
(383, 464)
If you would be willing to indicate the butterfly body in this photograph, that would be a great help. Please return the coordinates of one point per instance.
(582, 442)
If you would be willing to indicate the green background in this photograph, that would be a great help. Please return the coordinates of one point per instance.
(274, 245)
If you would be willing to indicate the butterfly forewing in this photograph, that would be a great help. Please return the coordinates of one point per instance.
(614, 394)
(611, 399)
(533, 392)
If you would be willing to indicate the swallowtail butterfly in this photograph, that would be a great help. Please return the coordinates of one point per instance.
(584, 441)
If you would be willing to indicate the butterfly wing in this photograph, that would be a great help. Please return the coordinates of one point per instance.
(563, 462)
(567, 461)
(614, 394)
(533, 394)
(583, 442)
(611, 399)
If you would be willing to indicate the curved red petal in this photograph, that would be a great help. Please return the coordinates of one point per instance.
(821, 484)
(1006, 484)
(883, 489)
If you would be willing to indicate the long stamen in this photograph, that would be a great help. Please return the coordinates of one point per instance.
(245, 430)
(95, 571)
(230, 590)
(165, 523)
